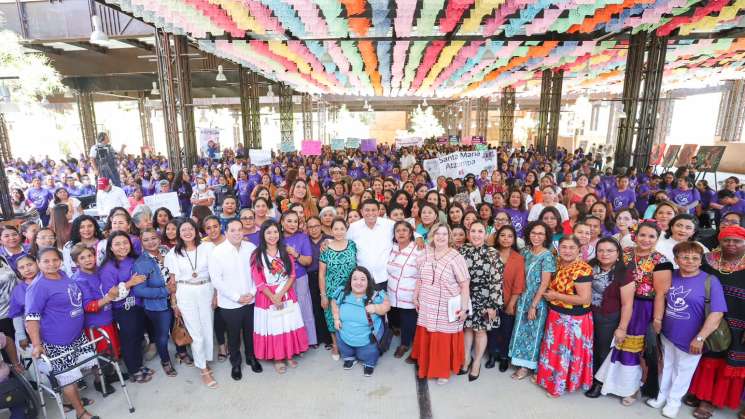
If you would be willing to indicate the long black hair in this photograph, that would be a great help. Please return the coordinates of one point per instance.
(75, 230)
(514, 236)
(180, 244)
(157, 212)
(683, 216)
(259, 255)
(409, 201)
(619, 268)
(369, 291)
(110, 253)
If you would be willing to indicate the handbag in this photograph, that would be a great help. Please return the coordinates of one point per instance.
(179, 334)
(384, 343)
(721, 338)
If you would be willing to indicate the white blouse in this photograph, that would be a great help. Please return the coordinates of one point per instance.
(403, 274)
(183, 265)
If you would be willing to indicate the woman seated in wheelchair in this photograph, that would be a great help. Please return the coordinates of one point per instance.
(55, 321)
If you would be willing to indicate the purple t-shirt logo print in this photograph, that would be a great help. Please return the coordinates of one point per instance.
(676, 304)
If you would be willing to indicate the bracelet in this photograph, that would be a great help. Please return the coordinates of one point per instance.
(658, 320)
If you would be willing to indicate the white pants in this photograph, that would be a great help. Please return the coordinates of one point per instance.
(195, 304)
(677, 371)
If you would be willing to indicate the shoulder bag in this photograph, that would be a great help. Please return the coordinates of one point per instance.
(720, 339)
(385, 340)
(179, 334)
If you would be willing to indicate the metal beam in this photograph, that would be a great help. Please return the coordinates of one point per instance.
(543, 110)
(286, 121)
(166, 73)
(87, 116)
(653, 70)
(90, 47)
(307, 113)
(146, 126)
(5, 201)
(630, 98)
(732, 112)
(482, 116)
(554, 112)
(137, 44)
(507, 116)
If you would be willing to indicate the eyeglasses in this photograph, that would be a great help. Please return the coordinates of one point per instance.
(247, 218)
(690, 258)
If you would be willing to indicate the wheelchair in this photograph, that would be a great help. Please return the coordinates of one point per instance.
(18, 391)
(48, 383)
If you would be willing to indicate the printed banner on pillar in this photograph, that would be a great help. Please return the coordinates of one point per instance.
(369, 144)
(353, 143)
(209, 142)
(459, 164)
(687, 153)
(337, 144)
(260, 158)
(409, 142)
(310, 148)
(658, 152)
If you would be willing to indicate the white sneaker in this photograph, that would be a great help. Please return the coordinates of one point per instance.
(655, 403)
(670, 411)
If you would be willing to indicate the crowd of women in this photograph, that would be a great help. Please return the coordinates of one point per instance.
(576, 279)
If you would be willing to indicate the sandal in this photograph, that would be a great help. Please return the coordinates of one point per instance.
(147, 371)
(169, 370)
(140, 377)
(520, 374)
(280, 367)
(705, 411)
(84, 400)
(184, 358)
(292, 363)
(90, 416)
(210, 384)
(629, 400)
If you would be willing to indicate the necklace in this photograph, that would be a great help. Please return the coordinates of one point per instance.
(193, 266)
(732, 266)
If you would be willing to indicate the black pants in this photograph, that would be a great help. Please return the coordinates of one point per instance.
(239, 321)
(404, 319)
(498, 340)
(322, 332)
(131, 333)
(219, 324)
(604, 326)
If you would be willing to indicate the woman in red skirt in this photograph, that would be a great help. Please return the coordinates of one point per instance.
(565, 362)
(720, 377)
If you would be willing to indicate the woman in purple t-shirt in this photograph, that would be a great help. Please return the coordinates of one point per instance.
(686, 325)
(54, 320)
(298, 246)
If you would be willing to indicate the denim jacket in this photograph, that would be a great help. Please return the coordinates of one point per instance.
(153, 291)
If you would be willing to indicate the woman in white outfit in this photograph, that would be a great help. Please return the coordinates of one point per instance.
(194, 295)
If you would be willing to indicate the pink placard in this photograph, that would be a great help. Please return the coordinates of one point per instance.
(311, 148)
(467, 140)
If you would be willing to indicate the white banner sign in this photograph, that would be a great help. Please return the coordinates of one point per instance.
(409, 142)
(168, 200)
(459, 164)
(260, 157)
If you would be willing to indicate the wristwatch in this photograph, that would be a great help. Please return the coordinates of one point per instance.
(699, 339)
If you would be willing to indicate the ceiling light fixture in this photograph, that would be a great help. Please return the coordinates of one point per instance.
(154, 91)
(220, 75)
(98, 36)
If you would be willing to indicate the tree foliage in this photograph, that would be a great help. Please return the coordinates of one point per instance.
(30, 75)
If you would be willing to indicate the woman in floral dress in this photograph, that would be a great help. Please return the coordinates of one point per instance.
(335, 265)
(485, 269)
(531, 312)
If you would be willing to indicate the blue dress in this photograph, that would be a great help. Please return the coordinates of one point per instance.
(525, 344)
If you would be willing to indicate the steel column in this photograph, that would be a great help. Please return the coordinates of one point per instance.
(506, 116)
(5, 203)
(286, 121)
(307, 114)
(554, 113)
(630, 99)
(655, 66)
(732, 112)
(184, 103)
(665, 120)
(146, 126)
(323, 114)
(543, 110)
(87, 116)
(246, 120)
(168, 98)
(482, 116)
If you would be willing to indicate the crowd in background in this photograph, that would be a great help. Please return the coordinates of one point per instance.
(571, 274)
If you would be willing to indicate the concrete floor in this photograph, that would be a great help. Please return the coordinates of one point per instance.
(319, 388)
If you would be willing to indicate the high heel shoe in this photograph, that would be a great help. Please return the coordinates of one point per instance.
(184, 358)
(473, 377)
(465, 370)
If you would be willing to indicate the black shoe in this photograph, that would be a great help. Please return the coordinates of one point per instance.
(594, 391)
(464, 371)
(491, 361)
(368, 371)
(504, 364)
(236, 373)
(254, 364)
(99, 388)
(348, 364)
